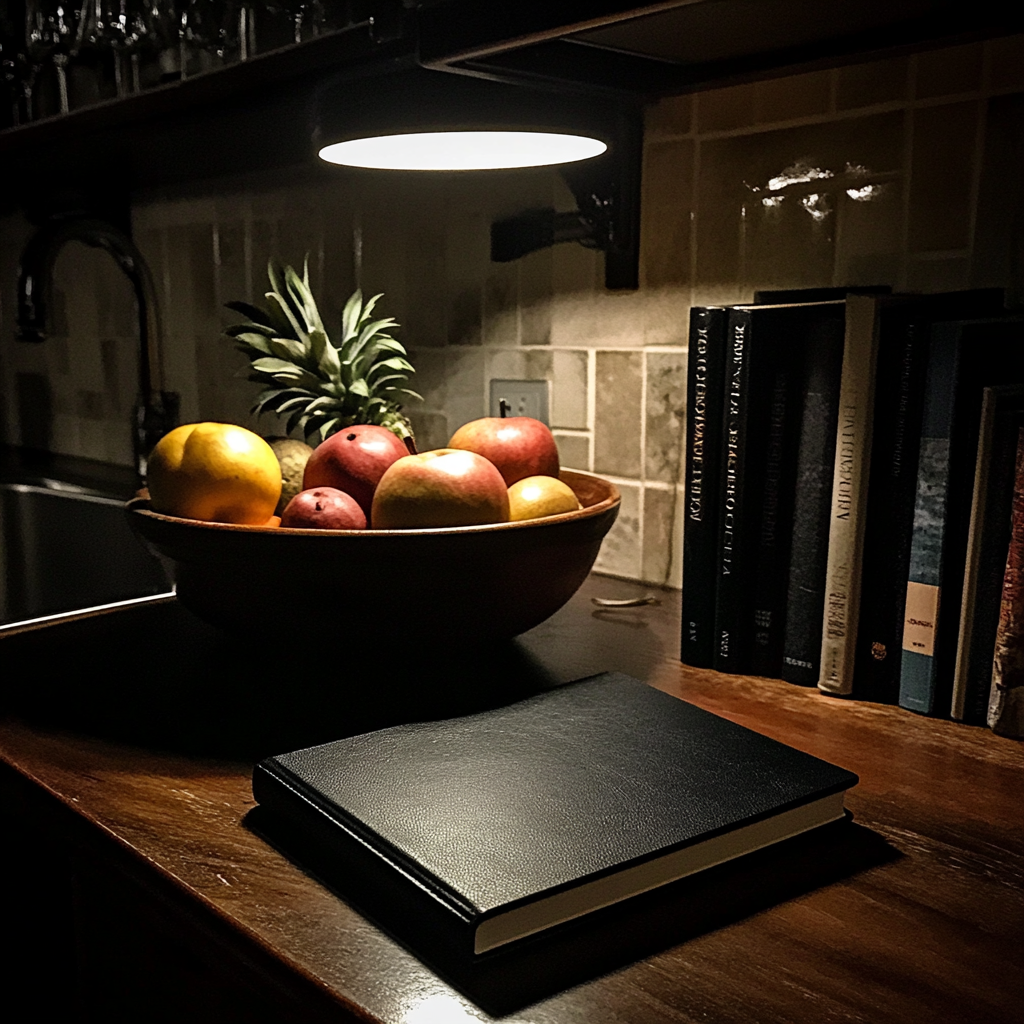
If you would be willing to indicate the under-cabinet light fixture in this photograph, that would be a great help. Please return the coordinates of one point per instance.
(463, 150)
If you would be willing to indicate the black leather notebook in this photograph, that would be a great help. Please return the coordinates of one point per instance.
(476, 832)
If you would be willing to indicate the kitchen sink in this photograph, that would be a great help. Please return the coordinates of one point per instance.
(64, 548)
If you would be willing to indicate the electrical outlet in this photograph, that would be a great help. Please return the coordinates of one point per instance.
(524, 398)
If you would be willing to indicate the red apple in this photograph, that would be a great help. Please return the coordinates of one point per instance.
(323, 508)
(444, 487)
(353, 460)
(519, 446)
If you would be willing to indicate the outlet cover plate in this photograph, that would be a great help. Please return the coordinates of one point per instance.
(524, 397)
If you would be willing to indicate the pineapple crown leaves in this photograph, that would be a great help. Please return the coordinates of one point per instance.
(322, 387)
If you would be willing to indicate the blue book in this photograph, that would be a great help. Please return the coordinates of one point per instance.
(963, 358)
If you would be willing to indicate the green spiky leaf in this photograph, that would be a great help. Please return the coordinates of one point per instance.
(319, 386)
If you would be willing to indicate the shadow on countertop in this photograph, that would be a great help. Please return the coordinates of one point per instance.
(156, 676)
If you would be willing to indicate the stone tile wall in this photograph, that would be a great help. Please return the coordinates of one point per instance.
(905, 172)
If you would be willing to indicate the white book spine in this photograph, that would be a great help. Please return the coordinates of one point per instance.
(849, 496)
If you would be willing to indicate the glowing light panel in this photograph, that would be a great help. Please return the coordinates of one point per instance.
(462, 151)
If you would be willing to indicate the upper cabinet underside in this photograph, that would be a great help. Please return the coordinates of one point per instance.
(259, 114)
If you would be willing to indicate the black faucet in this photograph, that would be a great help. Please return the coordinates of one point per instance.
(155, 410)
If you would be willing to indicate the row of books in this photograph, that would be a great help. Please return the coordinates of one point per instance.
(850, 477)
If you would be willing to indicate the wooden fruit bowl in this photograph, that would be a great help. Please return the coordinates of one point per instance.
(352, 586)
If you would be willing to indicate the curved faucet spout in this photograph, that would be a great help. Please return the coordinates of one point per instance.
(156, 409)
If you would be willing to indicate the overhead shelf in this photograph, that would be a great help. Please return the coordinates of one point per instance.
(256, 114)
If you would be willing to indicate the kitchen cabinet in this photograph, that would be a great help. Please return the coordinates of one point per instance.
(144, 890)
(256, 114)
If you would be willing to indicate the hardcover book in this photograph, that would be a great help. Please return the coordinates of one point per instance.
(988, 540)
(476, 832)
(1006, 699)
(904, 323)
(849, 496)
(760, 434)
(805, 594)
(703, 481)
(963, 357)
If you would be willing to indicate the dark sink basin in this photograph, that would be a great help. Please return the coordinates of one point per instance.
(63, 548)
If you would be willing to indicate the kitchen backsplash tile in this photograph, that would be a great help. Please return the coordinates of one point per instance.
(866, 85)
(573, 450)
(792, 97)
(618, 389)
(665, 409)
(663, 530)
(621, 551)
(941, 174)
(862, 174)
(955, 69)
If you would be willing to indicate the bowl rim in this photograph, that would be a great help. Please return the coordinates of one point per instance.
(140, 506)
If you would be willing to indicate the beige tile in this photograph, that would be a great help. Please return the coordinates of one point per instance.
(573, 451)
(784, 99)
(998, 250)
(869, 234)
(880, 81)
(618, 394)
(431, 428)
(424, 275)
(569, 389)
(666, 412)
(466, 262)
(116, 388)
(948, 71)
(232, 271)
(663, 537)
(1006, 58)
(666, 208)
(723, 109)
(535, 288)
(940, 182)
(670, 116)
(602, 319)
(665, 314)
(742, 243)
(464, 386)
(115, 299)
(620, 552)
(938, 275)
(576, 270)
(501, 305)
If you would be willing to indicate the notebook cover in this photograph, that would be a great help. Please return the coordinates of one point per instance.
(437, 826)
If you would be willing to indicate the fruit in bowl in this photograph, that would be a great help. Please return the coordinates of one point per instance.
(216, 472)
(463, 584)
(536, 497)
(444, 487)
(323, 508)
(519, 446)
(354, 460)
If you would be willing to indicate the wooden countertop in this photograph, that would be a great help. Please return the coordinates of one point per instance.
(133, 867)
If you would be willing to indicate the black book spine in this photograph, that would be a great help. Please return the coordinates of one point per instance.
(756, 376)
(776, 525)
(899, 400)
(389, 891)
(703, 482)
(805, 594)
(730, 651)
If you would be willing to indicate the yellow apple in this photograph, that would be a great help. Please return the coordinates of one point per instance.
(535, 497)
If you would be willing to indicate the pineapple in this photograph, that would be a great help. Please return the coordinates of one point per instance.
(319, 386)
